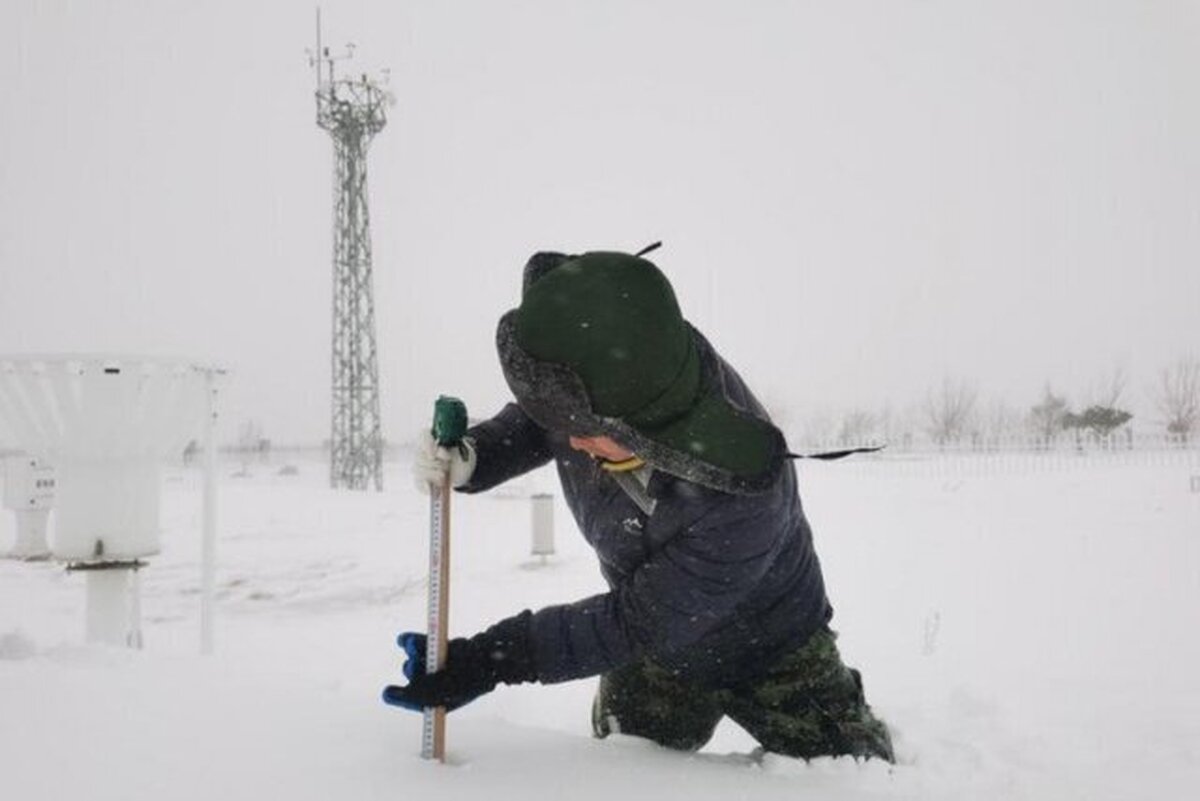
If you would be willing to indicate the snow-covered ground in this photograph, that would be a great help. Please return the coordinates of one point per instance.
(1027, 634)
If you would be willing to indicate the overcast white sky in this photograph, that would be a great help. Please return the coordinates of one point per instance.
(857, 198)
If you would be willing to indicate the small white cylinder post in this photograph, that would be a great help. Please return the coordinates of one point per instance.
(543, 525)
(208, 556)
(108, 606)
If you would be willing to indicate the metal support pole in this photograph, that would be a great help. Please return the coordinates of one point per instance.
(134, 638)
(208, 548)
(107, 617)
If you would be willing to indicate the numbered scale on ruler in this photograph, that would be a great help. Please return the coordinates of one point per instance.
(449, 425)
(433, 731)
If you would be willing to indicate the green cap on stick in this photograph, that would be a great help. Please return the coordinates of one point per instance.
(449, 420)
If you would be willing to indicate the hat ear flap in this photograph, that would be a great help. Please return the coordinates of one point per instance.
(539, 264)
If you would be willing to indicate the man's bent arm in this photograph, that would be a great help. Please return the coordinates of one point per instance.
(691, 586)
(506, 446)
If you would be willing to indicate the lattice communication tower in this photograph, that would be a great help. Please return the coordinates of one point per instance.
(352, 111)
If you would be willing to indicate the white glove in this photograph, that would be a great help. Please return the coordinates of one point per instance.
(433, 463)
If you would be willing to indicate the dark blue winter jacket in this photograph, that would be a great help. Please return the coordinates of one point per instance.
(711, 585)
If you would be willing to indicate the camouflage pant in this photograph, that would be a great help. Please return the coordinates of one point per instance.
(809, 704)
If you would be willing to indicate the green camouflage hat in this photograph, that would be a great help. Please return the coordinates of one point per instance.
(598, 346)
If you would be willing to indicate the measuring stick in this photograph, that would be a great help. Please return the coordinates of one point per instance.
(433, 732)
(449, 424)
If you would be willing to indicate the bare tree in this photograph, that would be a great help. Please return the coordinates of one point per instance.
(249, 435)
(1046, 418)
(1102, 415)
(890, 424)
(1107, 391)
(1178, 397)
(818, 428)
(948, 410)
(249, 443)
(857, 427)
(894, 425)
(1001, 421)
